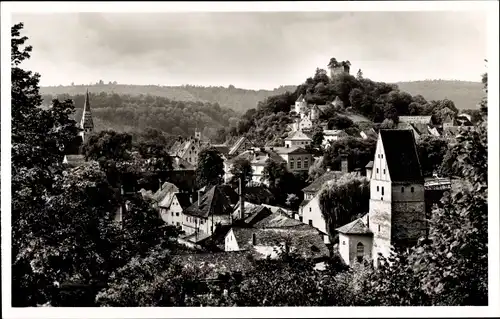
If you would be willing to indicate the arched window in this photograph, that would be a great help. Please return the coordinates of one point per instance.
(360, 252)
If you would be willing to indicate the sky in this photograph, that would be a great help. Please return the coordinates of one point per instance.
(259, 50)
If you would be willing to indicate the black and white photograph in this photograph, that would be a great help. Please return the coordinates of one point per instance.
(272, 155)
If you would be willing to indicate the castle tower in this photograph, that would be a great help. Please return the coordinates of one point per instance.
(86, 123)
(339, 68)
(397, 206)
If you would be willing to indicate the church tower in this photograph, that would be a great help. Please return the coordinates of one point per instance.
(86, 123)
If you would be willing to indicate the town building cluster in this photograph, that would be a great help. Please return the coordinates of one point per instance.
(224, 224)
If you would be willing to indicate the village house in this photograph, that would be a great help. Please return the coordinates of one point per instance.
(332, 135)
(396, 214)
(419, 124)
(187, 150)
(296, 158)
(211, 209)
(265, 233)
(257, 157)
(297, 138)
(304, 124)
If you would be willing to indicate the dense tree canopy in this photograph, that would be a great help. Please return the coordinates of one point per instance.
(343, 200)
(210, 169)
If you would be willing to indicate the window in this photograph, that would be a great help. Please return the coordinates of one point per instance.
(384, 170)
(202, 222)
(402, 189)
(412, 189)
(379, 228)
(343, 242)
(382, 190)
(292, 163)
(300, 219)
(377, 170)
(381, 155)
(360, 252)
(381, 198)
(310, 222)
(306, 163)
(178, 224)
(172, 213)
(299, 163)
(378, 155)
(310, 209)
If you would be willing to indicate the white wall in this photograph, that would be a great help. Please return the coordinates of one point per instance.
(312, 212)
(231, 244)
(348, 251)
(173, 214)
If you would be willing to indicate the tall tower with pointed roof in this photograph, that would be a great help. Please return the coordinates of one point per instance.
(86, 123)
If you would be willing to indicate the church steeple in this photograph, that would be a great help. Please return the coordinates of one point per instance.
(86, 123)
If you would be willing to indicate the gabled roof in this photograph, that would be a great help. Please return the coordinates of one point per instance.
(306, 242)
(300, 98)
(297, 136)
(217, 201)
(369, 165)
(165, 194)
(240, 142)
(183, 199)
(277, 220)
(357, 227)
(258, 194)
(181, 147)
(408, 126)
(256, 214)
(401, 155)
(316, 185)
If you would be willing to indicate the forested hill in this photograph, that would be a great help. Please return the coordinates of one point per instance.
(227, 97)
(137, 113)
(464, 94)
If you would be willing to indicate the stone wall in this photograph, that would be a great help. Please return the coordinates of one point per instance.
(408, 222)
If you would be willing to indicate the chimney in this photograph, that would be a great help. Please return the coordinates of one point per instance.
(199, 198)
(344, 165)
(242, 200)
(254, 239)
(161, 185)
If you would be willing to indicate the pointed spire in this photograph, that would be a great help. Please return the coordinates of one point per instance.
(87, 123)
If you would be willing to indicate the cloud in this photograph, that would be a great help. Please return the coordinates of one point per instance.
(252, 47)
